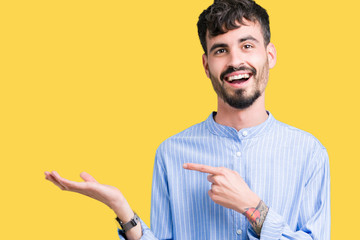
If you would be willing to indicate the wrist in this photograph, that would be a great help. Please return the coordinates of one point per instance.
(122, 210)
(132, 228)
(126, 226)
(251, 202)
(257, 216)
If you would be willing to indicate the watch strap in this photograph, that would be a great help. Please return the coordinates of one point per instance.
(129, 225)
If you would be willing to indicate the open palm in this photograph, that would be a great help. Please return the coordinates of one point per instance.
(107, 194)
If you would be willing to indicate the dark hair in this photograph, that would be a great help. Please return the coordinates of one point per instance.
(225, 15)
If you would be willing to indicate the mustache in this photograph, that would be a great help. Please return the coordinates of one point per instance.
(232, 69)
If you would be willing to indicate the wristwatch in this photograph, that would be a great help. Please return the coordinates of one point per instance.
(129, 225)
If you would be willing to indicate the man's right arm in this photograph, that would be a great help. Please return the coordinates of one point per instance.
(106, 194)
(161, 218)
(160, 203)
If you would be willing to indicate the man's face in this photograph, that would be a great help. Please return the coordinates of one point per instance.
(238, 64)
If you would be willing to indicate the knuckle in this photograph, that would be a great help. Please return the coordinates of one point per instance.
(215, 189)
(216, 179)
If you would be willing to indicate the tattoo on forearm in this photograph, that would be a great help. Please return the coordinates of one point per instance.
(256, 216)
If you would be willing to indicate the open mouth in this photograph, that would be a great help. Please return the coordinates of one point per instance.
(238, 78)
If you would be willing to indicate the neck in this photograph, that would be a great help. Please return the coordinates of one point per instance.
(241, 118)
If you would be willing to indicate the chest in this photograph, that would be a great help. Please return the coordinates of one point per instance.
(270, 168)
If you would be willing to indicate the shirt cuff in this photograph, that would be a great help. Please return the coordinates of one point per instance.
(273, 226)
(146, 233)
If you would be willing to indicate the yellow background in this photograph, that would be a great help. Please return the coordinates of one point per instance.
(96, 86)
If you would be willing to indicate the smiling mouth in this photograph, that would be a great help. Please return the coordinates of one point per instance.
(239, 78)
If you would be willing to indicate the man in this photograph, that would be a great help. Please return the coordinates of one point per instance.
(266, 180)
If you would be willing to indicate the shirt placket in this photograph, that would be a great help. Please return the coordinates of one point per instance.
(239, 220)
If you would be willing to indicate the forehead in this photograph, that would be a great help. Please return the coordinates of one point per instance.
(246, 29)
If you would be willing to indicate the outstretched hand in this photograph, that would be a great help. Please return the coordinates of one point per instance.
(109, 195)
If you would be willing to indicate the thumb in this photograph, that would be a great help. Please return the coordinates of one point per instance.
(87, 177)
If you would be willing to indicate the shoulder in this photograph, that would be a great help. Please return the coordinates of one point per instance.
(295, 134)
(301, 142)
(196, 131)
(316, 161)
(301, 147)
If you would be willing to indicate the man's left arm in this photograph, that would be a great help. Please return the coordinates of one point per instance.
(314, 216)
(230, 190)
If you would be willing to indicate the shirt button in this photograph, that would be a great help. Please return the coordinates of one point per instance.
(245, 133)
(238, 232)
(238, 154)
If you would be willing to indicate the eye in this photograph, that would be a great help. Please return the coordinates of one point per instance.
(222, 50)
(247, 46)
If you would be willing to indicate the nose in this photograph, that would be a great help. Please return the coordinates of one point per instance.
(236, 59)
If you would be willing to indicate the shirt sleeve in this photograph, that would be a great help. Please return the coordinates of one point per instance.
(314, 216)
(146, 233)
(161, 221)
(161, 217)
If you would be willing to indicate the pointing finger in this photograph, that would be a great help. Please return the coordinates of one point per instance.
(202, 168)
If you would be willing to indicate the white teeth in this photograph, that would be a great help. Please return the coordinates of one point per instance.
(237, 77)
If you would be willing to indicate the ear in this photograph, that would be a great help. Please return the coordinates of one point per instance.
(205, 64)
(271, 52)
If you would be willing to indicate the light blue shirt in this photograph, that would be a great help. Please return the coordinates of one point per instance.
(286, 167)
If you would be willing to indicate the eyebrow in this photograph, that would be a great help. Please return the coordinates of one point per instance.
(221, 45)
(247, 38)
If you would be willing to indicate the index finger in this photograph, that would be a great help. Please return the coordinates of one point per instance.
(202, 168)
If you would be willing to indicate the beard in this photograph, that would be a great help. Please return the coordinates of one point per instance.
(239, 98)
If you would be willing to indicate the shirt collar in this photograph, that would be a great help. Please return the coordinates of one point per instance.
(225, 131)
